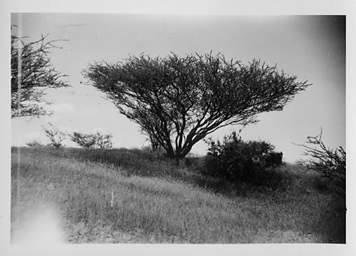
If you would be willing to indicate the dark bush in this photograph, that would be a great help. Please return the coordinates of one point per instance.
(239, 161)
(273, 159)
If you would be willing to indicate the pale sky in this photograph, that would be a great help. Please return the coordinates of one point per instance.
(311, 47)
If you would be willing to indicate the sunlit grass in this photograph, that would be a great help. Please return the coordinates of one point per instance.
(101, 202)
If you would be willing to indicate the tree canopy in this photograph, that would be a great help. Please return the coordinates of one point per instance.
(31, 70)
(178, 101)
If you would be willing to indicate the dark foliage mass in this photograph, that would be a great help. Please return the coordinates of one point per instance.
(273, 159)
(177, 101)
(31, 72)
(240, 161)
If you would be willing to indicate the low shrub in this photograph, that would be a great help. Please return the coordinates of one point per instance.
(103, 141)
(239, 161)
(96, 140)
(55, 136)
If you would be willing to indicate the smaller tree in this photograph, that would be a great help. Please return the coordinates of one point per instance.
(330, 163)
(31, 73)
(55, 136)
(103, 141)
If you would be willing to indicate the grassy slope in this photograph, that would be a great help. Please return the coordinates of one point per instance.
(105, 202)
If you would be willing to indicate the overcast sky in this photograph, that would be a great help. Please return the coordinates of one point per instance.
(311, 47)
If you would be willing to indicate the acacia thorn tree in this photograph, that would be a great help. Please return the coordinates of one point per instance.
(330, 163)
(178, 101)
(31, 73)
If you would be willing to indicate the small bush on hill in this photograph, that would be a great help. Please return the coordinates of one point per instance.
(83, 140)
(239, 161)
(55, 136)
(103, 141)
(97, 140)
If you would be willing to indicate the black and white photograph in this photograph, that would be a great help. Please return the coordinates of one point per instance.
(177, 129)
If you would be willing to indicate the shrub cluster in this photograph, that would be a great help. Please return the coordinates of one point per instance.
(55, 136)
(239, 161)
(96, 140)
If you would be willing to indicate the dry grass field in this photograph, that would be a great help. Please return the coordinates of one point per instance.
(131, 196)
